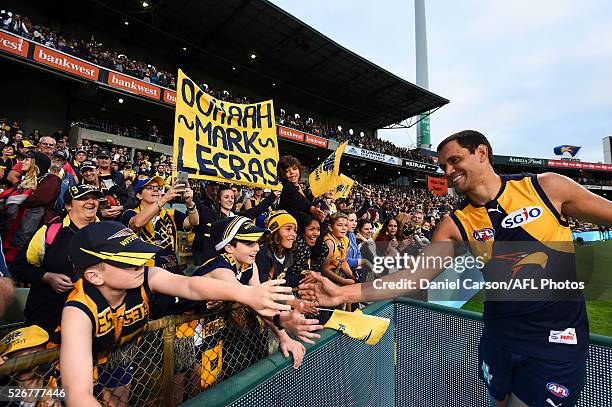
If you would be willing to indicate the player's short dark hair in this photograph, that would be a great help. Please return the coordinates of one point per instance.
(469, 139)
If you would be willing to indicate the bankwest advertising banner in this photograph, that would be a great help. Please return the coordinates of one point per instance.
(437, 185)
(315, 140)
(372, 155)
(224, 142)
(66, 63)
(169, 97)
(300, 136)
(40, 54)
(580, 165)
(14, 45)
(289, 134)
(133, 85)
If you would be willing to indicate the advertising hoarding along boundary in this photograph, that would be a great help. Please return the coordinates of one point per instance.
(579, 165)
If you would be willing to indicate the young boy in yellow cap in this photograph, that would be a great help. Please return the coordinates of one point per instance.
(109, 305)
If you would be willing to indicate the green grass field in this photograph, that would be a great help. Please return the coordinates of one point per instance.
(594, 259)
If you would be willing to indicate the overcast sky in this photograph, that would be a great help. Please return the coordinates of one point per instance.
(530, 75)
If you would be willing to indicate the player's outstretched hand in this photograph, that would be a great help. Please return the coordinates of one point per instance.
(269, 298)
(323, 291)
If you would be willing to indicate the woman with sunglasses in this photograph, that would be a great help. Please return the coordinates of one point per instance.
(160, 226)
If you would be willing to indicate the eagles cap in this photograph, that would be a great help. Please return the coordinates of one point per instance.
(104, 153)
(78, 191)
(23, 338)
(144, 182)
(88, 164)
(109, 242)
(235, 228)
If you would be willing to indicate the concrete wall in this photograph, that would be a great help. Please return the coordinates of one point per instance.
(78, 134)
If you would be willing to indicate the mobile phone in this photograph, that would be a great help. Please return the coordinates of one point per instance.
(182, 178)
(103, 204)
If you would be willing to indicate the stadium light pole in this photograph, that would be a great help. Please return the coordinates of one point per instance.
(422, 79)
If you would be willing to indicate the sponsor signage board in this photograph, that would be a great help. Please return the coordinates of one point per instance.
(14, 45)
(511, 160)
(372, 155)
(419, 166)
(63, 62)
(133, 85)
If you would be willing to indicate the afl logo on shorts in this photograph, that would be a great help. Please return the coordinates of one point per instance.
(557, 389)
(521, 217)
(483, 235)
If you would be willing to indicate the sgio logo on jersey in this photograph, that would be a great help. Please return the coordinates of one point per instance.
(521, 217)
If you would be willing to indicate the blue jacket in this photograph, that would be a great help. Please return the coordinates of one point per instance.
(354, 255)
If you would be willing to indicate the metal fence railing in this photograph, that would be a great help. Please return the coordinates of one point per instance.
(176, 359)
(427, 358)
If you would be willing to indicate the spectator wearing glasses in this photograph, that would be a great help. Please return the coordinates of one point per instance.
(160, 226)
(47, 145)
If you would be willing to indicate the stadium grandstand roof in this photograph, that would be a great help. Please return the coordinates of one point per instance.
(292, 61)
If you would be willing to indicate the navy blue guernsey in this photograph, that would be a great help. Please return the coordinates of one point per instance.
(523, 236)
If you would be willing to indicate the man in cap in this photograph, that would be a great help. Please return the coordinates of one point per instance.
(115, 287)
(80, 155)
(111, 181)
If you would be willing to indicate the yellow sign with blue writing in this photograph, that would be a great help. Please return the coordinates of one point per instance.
(222, 141)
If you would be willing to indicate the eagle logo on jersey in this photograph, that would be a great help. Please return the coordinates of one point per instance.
(521, 259)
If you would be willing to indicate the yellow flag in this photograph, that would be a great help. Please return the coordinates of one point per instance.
(342, 190)
(368, 328)
(222, 141)
(326, 176)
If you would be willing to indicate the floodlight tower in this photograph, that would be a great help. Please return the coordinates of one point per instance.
(422, 80)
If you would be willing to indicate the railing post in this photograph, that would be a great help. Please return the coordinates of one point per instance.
(168, 372)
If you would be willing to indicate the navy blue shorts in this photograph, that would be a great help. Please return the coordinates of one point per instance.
(536, 382)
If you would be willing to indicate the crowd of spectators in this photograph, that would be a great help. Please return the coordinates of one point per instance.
(48, 184)
(93, 51)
